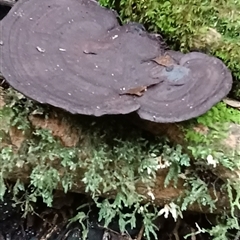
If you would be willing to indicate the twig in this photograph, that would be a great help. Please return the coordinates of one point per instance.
(49, 233)
(193, 237)
(122, 235)
(140, 234)
(175, 230)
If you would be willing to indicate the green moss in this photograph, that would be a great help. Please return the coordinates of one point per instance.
(220, 113)
(205, 135)
(216, 122)
(212, 26)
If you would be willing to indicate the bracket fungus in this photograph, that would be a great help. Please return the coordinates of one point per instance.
(76, 56)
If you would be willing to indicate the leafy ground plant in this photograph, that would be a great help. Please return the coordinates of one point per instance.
(115, 158)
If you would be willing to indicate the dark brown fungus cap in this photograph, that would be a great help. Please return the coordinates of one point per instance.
(191, 87)
(73, 54)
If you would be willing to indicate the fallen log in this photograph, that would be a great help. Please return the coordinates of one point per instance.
(225, 143)
(27, 154)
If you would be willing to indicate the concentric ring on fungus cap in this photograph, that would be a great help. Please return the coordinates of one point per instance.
(74, 55)
(190, 89)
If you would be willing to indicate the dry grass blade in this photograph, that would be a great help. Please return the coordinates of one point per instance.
(9, 3)
(232, 103)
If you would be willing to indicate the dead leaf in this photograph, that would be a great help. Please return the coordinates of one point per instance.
(201, 129)
(165, 60)
(232, 103)
(138, 91)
